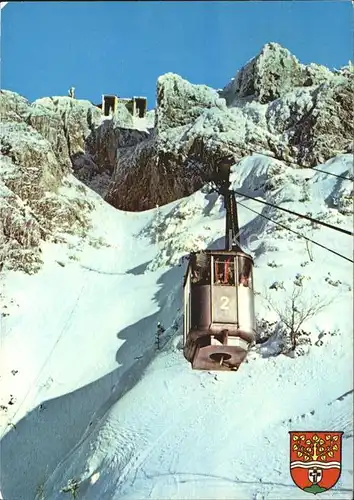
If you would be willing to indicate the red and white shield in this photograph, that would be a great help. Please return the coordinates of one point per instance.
(315, 459)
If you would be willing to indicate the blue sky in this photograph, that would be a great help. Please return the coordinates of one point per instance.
(122, 47)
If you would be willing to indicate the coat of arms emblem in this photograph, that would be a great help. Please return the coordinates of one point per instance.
(315, 460)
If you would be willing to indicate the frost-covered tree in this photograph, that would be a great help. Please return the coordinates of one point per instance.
(294, 311)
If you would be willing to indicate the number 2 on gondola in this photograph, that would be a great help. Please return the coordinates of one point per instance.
(224, 303)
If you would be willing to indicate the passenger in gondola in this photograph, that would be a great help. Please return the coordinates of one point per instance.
(231, 277)
(219, 279)
(244, 280)
(229, 272)
(245, 273)
(195, 276)
(225, 274)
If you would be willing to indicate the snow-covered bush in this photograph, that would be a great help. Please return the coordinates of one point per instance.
(286, 335)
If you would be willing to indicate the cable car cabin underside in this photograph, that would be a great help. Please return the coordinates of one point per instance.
(219, 320)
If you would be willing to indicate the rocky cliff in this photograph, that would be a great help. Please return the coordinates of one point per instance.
(274, 105)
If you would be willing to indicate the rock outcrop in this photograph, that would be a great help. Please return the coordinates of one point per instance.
(272, 74)
(266, 77)
(147, 175)
(96, 165)
(78, 118)
(32, 205)
(81, 139)
(180, 103)
(328, 128)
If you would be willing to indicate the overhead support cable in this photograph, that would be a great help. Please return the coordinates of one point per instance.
(295, 232)
(302, 216)
(334, 175)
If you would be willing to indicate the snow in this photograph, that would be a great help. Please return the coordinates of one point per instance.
(94, 402)
(142, 124)
(284, 112)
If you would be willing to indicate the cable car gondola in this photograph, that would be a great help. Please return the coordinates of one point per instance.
(219, 318)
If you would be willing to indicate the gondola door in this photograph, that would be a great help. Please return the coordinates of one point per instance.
(223, 290)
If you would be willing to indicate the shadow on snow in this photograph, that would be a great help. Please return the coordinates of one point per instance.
(45, 436)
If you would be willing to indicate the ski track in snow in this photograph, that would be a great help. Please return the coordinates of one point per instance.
(128, 422)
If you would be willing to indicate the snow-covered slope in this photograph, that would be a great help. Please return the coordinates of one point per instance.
(96, 410)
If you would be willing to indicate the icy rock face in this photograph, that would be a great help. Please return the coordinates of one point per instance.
(157, 169)
(49, 124)
(105, 141)
(177, 162)
(13, 107)
(179, 102)
(315, 74)
(147, 174)
(316, 123)
(178, 159)
(266, 77)
(193, 130)
(79, 135)
(78, 117)
(272, 74)
(328, 128)
(64, 122)
(283, 113)
(27, 170)
(33, 169)
(96, 166)
(90, 142)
